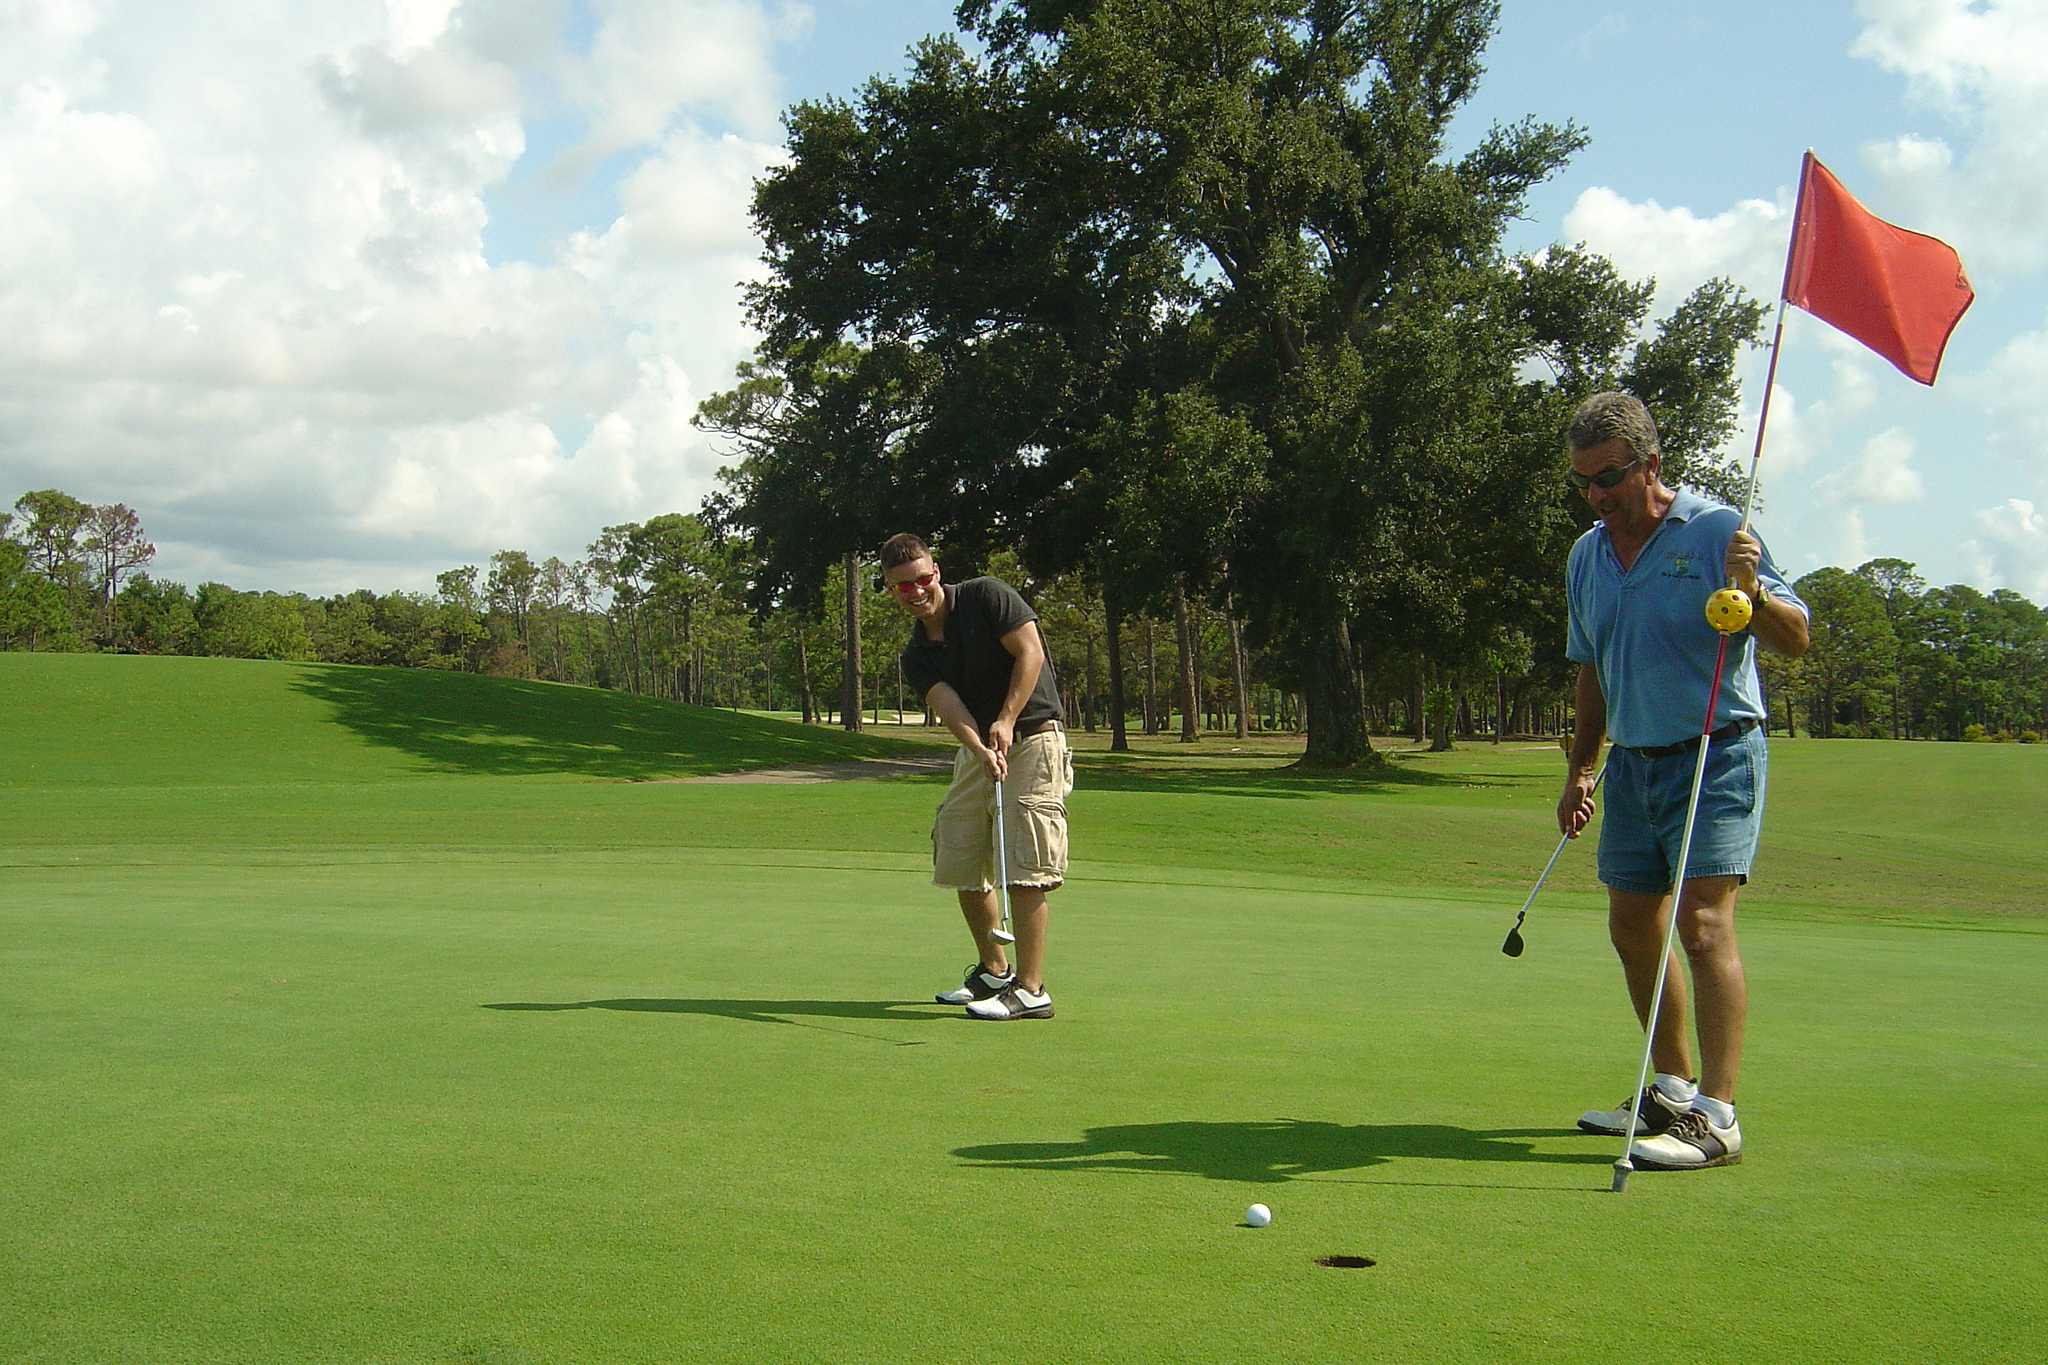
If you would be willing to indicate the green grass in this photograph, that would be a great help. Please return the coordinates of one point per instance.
(365, 1017)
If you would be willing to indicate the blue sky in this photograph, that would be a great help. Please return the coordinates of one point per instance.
(342, 296)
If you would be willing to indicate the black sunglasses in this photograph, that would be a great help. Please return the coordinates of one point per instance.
(1606, 478)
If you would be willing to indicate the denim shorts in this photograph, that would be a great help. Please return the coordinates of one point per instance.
(1644, 821)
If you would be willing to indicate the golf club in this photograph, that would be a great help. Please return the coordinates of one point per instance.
(1726, 627)
(1513, 945)
(1003, 934)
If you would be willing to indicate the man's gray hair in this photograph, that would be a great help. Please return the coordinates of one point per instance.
(1607, 416)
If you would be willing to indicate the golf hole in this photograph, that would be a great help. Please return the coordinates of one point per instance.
(1346, 1262)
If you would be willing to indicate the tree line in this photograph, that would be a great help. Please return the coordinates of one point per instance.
(659, 608)
(1893, 658)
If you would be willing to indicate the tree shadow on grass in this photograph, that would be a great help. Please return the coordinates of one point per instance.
(1115, 772)
(1272, 1151)
(462, 723)
(768, 1011)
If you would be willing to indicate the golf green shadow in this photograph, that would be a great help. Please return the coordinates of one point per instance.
(767, 1011)
(1111, 772)
(465, 723)
(1272, 1151)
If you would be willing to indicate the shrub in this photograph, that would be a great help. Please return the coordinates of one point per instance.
(2030, 736)
(1973, 734)
(2004, 736)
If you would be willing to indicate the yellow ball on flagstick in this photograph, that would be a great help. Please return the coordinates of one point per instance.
(1728, 610)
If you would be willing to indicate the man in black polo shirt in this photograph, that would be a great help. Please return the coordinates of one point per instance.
(976, 658)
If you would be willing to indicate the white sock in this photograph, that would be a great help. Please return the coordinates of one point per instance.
(1720, 1112)
(1677, 1089)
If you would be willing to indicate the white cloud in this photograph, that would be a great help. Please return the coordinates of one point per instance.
(2014, 388)
(1882, 473)
(1681, 249)
(2010, 549)
(1830, 524)
(655, 61)
(1984, 65)
(693, 195)
(243, 285)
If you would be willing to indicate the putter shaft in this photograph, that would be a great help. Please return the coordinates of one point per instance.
(1002, 934)
(1512, 945)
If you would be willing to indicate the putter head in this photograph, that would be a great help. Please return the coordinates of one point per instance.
(1621, 1170)
(1002, 935)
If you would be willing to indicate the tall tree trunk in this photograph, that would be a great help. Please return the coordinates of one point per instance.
(1336, 713)
(1184, 637)
(803, 673)
(633, 624)
(1237, 672)
(1089, 696)
(1119, 739)
(1152, 726)
(849, 706)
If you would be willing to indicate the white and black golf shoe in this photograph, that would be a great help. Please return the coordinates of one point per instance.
(1655, 1113)
(1014, 1002)
(1692, 1143)
(979, 984)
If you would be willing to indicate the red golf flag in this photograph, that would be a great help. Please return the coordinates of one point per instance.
(1900, 293)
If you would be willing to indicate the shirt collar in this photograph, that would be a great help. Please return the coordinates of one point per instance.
(1685, 505)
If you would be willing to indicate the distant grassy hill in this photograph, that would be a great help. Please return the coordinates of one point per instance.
(151, 721)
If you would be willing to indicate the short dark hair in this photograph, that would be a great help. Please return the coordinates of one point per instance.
(902, 549)
(1610, 416)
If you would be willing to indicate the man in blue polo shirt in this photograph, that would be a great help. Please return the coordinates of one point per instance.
(1637, 583)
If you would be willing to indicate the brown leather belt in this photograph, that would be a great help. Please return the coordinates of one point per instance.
(1038, 729)
(1732, 730)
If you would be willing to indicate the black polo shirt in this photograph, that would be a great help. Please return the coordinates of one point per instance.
(979, 613)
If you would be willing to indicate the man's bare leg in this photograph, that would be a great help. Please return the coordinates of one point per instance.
(984, 915)
(1636, 925)
(1706, 926)
(1027, 919)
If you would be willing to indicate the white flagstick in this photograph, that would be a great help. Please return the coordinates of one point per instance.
(1763, 415)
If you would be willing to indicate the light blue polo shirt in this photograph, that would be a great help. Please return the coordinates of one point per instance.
(1646, 633)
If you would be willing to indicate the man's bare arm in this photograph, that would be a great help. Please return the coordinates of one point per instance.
(953, 713)
(1589, 705)
(1778, 626)
(1027, 659)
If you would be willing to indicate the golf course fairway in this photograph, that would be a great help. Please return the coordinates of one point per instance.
(359, 1015)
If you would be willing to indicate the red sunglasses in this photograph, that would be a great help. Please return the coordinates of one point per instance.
(911, 585)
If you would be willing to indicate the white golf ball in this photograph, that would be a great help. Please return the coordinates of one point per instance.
(1258, 1215)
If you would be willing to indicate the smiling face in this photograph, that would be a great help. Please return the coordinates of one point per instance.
(916, 587)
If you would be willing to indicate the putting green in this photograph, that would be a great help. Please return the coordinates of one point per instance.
(370, 1055)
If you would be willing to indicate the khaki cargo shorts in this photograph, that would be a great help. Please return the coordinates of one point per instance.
(1041, 774)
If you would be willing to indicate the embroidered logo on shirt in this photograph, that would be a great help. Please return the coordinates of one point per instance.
(1682, 566)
